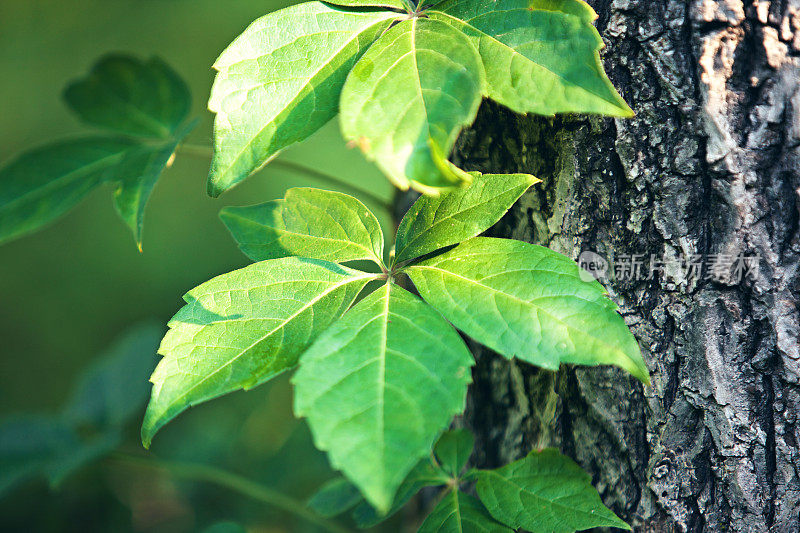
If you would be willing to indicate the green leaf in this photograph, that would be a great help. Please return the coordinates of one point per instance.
(85, 452)
(280, 81)
(136, 178)
(460, 513)
(109, 393)
(40, 445)
(389, 4)
(454, 449)
(454, 216)
(379, 386)
(28, 445)
(335, 497)
(529, 302)
(130, 96)
(578, 8)
(545, 491)
(242, 328)
(408, 97)
(43, 184)
(309, 223)
(541, 56)
(225, 527)
(422, 475)
(145, 99)
(114, 388)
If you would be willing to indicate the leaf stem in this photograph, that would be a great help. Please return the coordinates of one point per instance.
(231, 481)
(205, 152)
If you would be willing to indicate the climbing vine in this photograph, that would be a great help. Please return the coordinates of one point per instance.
(369, 330)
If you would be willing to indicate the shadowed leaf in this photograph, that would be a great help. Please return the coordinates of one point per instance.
(460, 513)
(422, 475)
(545, 491)
(43, 184)
(454, 449)
(126, 95)
(335, 497)
(114, 388)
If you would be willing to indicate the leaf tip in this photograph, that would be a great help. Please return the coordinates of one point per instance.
(627, 112)
(213, 189)
(225, 215)
(639, 371)
(382, 503)
(147, 438)
(532, 180)
(622, 109)
(150, 426)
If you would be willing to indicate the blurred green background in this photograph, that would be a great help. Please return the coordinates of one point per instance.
(68, 290)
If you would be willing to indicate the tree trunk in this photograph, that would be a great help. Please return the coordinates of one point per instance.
(709, 167)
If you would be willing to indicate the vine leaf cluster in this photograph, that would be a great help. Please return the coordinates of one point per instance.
(530, 494)
(141, 107)
(380, 371)
(405, 80)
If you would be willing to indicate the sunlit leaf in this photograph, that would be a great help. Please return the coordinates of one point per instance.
(454, 216)
(390, 4)
(309, 223)
(280, 81)
(407, 99)
(379, 386)
(529, 302)
(541, 56)
(130, 96)
(545, 491)
(243, 328)
(461, 513)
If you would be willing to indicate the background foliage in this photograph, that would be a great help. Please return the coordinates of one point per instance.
(70, 289)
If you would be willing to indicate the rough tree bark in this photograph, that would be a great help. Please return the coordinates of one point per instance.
(710, 165)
